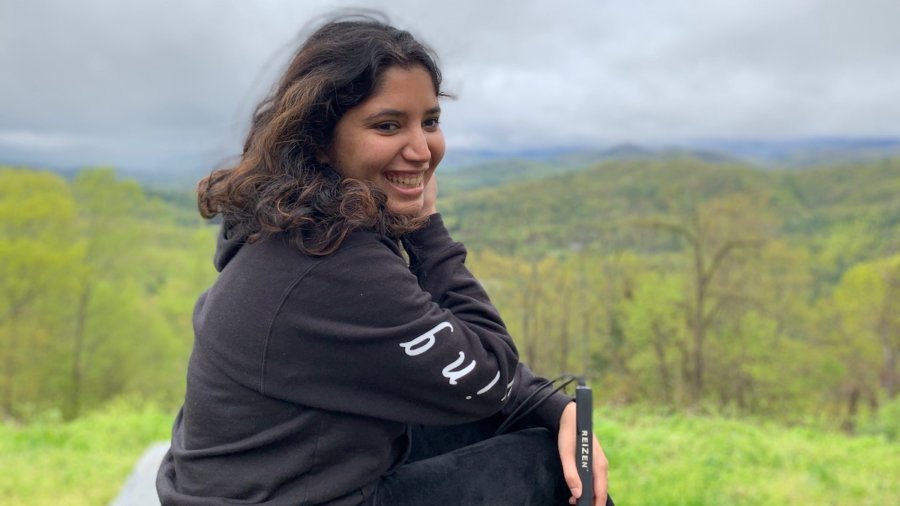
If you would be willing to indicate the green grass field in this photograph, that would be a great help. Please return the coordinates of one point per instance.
(79, 463)
(715, 461)
(655, 460)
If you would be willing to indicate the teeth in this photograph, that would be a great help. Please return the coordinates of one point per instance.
(406, 181)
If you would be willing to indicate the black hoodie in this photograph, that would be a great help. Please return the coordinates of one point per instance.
(307, 372)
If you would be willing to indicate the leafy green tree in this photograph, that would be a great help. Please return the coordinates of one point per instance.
(37, 216)
(715, 232)
(654, 324)
(109, 237)
(864, 322)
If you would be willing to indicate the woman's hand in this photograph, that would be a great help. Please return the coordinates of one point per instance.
(567, 440)
(430, 205)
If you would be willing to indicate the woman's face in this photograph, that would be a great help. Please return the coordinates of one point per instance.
(392, 138)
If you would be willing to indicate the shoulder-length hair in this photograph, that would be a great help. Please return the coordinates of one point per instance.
(279, 184)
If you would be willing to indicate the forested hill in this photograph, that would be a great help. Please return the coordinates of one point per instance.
(681, 282)
(618, 204)
(685, 282)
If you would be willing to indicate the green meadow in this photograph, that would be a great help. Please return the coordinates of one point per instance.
(713, 461)
(655, 460)
(82, 462)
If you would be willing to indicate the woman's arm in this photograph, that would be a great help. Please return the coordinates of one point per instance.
(419, 247)
(360, 333)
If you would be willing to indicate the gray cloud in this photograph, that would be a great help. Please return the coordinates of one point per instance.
(152, 83)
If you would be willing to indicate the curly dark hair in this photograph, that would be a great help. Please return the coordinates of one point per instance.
(279, 185)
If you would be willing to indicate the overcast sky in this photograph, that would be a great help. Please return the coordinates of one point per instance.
(170, 83)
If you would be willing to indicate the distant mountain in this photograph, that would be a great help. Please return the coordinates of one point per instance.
(803, 153)
(601, 204)
(456, 159)
(788, 153)
(496, 172)
(466, 169)
(478, 169)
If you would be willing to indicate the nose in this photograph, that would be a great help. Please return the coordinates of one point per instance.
(416, 149)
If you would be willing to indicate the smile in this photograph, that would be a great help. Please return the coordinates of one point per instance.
(406, 180)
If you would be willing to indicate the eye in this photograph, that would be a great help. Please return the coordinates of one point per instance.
(432, 123)
(388, 127)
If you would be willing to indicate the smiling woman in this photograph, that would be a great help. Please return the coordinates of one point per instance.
(333, 106)
(345, 355)
(393, 139)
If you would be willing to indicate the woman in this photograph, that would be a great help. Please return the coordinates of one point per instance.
(329, 368)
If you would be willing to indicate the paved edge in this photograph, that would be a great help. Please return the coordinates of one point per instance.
(140, 487)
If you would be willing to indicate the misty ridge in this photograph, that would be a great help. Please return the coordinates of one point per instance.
(469, 168)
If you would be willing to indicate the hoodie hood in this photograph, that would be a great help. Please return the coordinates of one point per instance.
(232, 237)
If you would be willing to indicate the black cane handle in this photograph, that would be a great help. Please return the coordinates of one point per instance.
(584, 458)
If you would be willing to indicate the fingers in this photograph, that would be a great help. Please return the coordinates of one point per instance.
(566, 443)
(601, 475)
(570, 470)
(429, 206)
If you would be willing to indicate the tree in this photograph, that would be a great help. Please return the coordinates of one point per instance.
(109, 237)
(37, 215)
(656, 334)
(864, 321)
(715, 233)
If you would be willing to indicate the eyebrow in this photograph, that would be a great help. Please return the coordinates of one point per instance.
(395, 113)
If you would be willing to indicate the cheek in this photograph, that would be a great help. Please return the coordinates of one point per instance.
(436, 147)
(355, 158)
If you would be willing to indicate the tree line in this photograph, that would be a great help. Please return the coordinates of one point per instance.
(676, 283)
(96, 285)
(697, 285)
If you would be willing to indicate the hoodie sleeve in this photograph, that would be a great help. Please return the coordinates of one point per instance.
(364, 333)
(431, 272)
